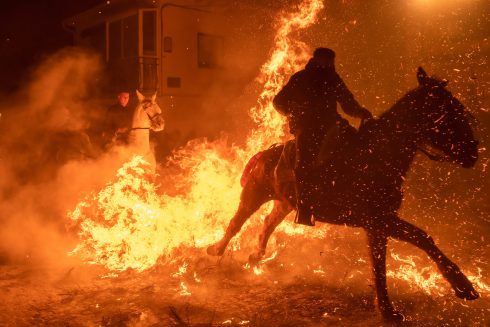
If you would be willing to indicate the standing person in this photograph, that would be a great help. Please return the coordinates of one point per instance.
(118, 119)
(309, 100)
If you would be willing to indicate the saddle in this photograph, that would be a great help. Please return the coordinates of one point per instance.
(284, 170)
(338, 137)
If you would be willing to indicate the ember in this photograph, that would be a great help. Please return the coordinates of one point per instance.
(133, 222)
(142, 236)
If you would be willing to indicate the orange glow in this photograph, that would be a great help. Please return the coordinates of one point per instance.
(428, 279)
(288, 56)
(133, 223)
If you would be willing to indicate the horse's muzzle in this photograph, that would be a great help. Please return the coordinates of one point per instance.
(157, 123)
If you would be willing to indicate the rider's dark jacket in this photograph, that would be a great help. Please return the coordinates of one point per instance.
(309, 99)
(117, 117)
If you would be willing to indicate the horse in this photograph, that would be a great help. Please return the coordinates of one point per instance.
(147, 116)
(360, 185)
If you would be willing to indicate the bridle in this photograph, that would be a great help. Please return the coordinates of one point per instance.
(434, 157)
(423, 149)
(147, 105)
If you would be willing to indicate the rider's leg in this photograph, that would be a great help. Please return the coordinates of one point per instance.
(302, 171)
(308, 143)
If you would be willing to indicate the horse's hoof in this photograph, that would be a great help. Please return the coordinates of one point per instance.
(466, 293)
(215, 250)
(461, 285)
(464, 288)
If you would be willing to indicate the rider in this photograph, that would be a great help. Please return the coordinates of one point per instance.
(309, 100)
(118, 119)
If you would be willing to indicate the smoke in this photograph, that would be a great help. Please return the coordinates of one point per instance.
(225, 99)
(46, 158)
(41, 179)
(379, 46)
(48, 162)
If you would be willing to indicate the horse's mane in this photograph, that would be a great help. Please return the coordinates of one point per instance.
(397, 113)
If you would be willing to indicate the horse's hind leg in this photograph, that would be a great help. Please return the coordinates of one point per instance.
(273, 219)
(405, 231)
(377, 247)
(251, 199)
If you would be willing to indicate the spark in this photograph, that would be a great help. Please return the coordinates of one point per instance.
(183, 290)
(132, 222)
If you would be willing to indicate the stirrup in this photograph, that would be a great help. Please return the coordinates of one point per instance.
(310, 221)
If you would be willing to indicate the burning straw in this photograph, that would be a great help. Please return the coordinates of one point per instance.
(133, 222)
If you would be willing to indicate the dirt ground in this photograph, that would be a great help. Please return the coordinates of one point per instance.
(205, 291)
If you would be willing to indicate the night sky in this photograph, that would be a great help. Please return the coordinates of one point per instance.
(29, 30)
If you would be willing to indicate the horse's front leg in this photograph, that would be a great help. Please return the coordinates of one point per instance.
(273, 219)
(251, 199)
(405, 231)
(377, 246)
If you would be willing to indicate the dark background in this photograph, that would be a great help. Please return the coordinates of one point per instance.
(30, 30)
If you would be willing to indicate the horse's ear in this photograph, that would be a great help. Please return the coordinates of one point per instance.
(154, 97)
(140, 96)
(422, 76)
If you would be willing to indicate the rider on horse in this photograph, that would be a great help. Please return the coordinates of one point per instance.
(117, 120)
(309, 100)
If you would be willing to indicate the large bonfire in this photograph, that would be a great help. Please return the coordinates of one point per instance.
(133, 222)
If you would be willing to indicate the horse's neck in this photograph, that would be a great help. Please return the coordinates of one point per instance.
(396, 136)
(139, 137)
(140, 140)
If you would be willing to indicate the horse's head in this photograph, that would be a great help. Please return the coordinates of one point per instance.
(148, 113)
(447, 124)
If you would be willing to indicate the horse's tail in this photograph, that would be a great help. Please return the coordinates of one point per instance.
(249, 167)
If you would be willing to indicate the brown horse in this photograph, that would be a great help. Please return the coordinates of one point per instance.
(360, 186)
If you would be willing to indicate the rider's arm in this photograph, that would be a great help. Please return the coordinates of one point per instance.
(109, 125)
(349, 105)
(286, 100)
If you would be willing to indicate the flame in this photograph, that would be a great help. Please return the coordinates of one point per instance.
(428, 279)
(183, 290)
(133, 222)
(479, 283)
(288, 55)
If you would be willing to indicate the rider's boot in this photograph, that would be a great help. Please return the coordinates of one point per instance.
(304, 212)
(304, 215)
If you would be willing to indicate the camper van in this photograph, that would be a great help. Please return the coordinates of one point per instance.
(173, 48)
(198, 55)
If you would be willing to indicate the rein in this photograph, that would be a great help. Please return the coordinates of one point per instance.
(433, 157)
(149, 116)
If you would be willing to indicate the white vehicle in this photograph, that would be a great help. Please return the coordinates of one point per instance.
(174, 48)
